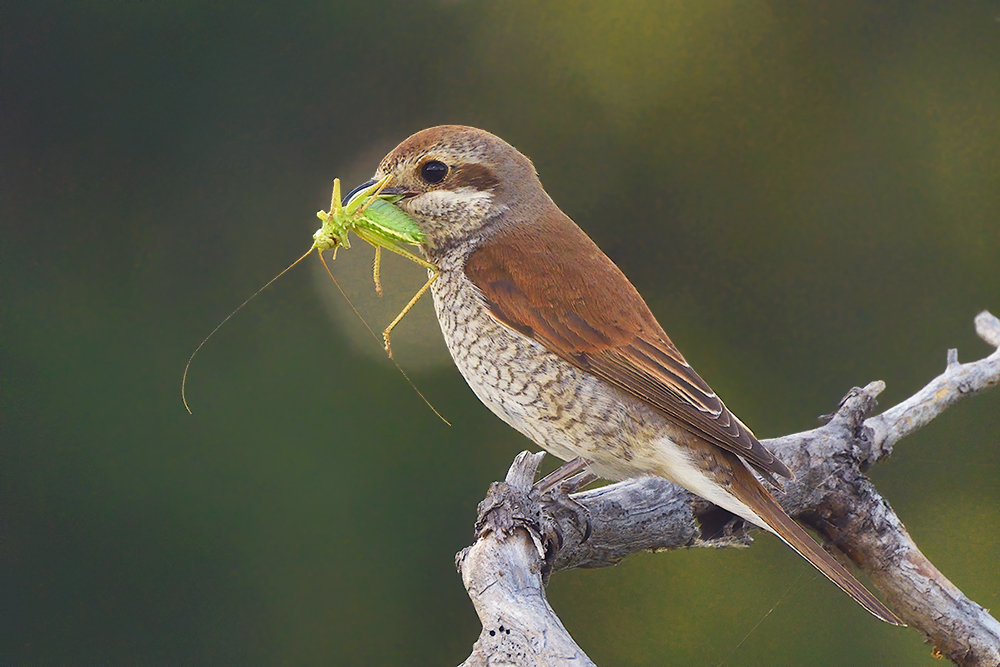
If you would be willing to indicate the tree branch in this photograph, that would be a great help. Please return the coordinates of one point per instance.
(502, 572)
(520, 539)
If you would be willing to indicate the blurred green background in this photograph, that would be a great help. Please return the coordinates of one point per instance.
(808, 195)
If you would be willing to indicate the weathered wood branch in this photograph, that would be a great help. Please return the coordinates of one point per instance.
(521, 540)
(502, 572)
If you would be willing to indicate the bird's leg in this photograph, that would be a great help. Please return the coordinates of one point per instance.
(576, 483)
(561, 474)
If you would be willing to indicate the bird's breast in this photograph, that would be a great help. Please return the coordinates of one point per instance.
(565, 410)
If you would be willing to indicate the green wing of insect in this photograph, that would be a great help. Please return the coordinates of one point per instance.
(368, 213)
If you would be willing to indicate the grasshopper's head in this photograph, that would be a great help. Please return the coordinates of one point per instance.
(333, 232)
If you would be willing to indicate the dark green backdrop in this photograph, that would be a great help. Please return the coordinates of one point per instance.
(808, 195)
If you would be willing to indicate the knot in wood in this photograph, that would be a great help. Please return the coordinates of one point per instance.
(505, 509)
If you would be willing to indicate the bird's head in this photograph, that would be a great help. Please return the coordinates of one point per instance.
(461, 184)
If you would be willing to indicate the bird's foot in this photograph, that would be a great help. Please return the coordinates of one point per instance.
(554, 489)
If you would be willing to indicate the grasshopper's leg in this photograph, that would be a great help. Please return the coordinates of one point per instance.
(362, 199)
(335, 198)
(379, 187)
(375, 271)
(392, 245)
(413, 301)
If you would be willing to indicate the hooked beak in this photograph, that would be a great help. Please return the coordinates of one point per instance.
(385, 191)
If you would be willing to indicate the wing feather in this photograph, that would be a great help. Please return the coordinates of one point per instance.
(550, 282)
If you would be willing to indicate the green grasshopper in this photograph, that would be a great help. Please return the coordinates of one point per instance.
(372, 216)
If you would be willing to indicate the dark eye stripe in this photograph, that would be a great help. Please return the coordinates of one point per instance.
(475, 176)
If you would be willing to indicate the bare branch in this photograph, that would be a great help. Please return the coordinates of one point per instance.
(957, 382)
(503, 573)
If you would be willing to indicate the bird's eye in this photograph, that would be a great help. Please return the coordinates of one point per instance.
(433, 171)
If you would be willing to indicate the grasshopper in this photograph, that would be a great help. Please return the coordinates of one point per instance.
(372, 216)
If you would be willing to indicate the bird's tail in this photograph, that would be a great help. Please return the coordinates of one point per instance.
(782, 525)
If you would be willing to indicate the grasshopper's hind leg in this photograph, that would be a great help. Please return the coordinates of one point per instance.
(406, 309)
(376, 271)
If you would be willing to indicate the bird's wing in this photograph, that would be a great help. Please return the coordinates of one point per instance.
(549, 281)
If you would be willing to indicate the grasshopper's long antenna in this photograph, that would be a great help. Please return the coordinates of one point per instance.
(398, 367)
(238, 308)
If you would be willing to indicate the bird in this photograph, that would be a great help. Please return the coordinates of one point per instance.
(553, 338)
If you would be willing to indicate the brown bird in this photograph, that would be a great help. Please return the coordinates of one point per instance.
(556, 341)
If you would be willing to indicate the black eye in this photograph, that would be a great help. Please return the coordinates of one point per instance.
(433, 171)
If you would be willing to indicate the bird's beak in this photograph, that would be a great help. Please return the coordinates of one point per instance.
(356, 190)
(401, 192)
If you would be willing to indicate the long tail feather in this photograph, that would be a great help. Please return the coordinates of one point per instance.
(767, 508)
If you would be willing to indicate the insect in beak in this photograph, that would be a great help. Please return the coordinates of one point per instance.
(369, 213)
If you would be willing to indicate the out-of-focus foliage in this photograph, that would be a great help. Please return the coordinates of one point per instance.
(808, 195)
